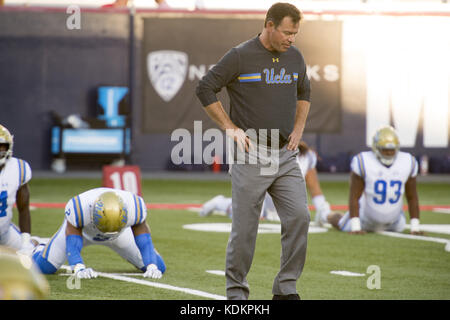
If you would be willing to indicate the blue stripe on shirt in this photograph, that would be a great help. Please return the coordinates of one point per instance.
(250, 77)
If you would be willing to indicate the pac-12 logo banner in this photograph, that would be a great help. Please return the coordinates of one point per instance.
(167, 70)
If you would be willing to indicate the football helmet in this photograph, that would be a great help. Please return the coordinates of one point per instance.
(109, 214)
(19, 277)
(7, 139)
(385, 139)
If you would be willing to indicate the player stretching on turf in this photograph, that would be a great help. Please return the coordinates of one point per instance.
(110, 217)
(378, 180)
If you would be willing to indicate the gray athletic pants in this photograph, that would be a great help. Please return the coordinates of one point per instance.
(288, 190)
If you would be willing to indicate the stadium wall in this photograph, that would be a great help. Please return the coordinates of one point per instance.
(45, 66)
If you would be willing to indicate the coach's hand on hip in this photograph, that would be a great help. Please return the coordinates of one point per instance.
(294, 139)
(242, 140)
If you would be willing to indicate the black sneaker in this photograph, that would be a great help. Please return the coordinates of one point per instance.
(286, 297)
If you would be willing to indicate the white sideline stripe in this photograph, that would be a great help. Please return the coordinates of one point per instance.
(156, 285)
(346, 273)
(163, 286)
(442, 210)
(411, 236)
(216, 272)
(114, 274)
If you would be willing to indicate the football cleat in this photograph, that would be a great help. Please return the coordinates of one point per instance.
(109, 214)
(6, 138)
(385, 145)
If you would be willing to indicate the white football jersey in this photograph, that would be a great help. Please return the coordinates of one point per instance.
(79, 212)
(382, 199)
(307, 161)
(15, 173)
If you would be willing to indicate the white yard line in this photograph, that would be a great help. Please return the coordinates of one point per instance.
(346, 273)
(163, 286)
(216, 272)
(154, 284)
(411, 236)
(442, 210)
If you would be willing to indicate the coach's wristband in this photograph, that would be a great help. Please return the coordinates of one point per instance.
(414, 222)
(355, 224)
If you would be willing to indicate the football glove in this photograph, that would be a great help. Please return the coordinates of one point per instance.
(355, 224)
(152, 272)
(322, 213)
(81, 272)
(415, 225)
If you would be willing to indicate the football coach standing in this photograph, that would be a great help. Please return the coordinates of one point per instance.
(269, 92)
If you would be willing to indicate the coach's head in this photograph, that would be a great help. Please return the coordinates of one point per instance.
(280, 26)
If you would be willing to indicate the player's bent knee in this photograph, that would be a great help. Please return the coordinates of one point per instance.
(43, 264)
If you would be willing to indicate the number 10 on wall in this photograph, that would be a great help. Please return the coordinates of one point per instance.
(126, 178)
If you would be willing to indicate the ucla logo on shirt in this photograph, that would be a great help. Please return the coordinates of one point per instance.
(270, 76)
(279, 78)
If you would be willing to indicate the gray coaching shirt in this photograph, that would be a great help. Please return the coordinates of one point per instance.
(263, 86)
